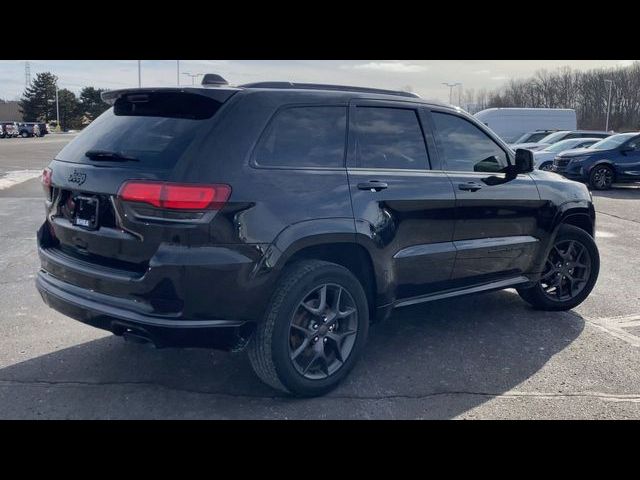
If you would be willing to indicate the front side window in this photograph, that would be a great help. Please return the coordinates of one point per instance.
(614, 141)
(634, 144)
(466, 148)
(389, 138)
(304, 137)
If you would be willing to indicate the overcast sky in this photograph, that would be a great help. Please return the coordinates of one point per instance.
(424, 77)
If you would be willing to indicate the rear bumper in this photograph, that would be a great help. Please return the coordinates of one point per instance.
(91, 308)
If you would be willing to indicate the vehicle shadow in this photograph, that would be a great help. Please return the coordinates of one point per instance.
(436, 360)
(619, 192)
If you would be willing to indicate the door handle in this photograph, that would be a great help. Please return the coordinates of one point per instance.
(373, 185)
(470, 186)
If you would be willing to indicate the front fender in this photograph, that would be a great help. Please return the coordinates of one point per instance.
(575, 212)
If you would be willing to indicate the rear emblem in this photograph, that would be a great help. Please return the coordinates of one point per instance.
(77, 177)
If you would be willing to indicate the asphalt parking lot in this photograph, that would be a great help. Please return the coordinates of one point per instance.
(487, 356)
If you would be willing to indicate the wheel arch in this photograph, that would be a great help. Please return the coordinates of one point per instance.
(331, 240)
(580, 214)
(605, 161)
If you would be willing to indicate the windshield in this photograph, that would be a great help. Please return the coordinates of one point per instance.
(531, 137)
(156, 132)
(562, 145)
(554, 137)
(612, 141)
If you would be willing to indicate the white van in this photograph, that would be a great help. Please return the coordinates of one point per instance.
(511, 123)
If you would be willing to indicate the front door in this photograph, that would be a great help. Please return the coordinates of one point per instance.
(496, 230)
(628, 160)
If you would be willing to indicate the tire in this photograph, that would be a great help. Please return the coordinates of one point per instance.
(546, 166)
(601, 177)
(270, 348)
(540, 297)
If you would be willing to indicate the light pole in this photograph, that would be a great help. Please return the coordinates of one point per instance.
(57, 110)
(139, 74)
(451, 85)
(610, 82)
(193, 76)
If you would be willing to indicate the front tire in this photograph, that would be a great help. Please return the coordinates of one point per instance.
(570, 272)
(601, 177)
(314, 329)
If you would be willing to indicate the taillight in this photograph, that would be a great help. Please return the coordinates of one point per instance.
(45, 178)
(175, 196)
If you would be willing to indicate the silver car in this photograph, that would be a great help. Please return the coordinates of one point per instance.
(543, 159)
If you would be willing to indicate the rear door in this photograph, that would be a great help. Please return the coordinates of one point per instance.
(496, 230)
(403, 210)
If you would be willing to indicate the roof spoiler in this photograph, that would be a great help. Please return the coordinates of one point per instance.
(221, 95)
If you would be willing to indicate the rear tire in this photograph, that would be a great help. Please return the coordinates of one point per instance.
(292, 350)
(583, 272)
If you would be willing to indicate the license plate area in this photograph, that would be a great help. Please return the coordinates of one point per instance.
(86, 212)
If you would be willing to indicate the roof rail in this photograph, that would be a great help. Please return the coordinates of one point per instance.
(319, 86)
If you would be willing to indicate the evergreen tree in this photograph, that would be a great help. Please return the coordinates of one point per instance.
(38, 102)
(91, 103)
(70, 111)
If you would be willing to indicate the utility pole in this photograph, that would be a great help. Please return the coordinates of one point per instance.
(139, 73)
(193, 76)
(610, 82)
(27, 74)
(451, 86)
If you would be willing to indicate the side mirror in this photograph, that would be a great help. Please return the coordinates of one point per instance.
(524, 161)
(625, 150)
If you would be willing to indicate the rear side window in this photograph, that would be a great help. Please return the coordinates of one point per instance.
(304, 137)
(465, 147)
(389, 138)
(154, 129)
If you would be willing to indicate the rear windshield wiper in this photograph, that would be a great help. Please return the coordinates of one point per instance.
(109, 156)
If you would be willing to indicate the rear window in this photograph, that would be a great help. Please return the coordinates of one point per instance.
(154, 129)
(304, 137)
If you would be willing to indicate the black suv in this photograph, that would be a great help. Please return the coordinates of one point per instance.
(285, 217)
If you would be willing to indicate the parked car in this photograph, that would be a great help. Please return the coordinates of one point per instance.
(43, 129)
(615, 159)
(258, 217)
(533, 137)
(28, 129)
(543, 159)
(10, 129)
(561, 135)
(512, 123)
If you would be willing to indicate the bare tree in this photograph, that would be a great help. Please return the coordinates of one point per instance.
(586, 92)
